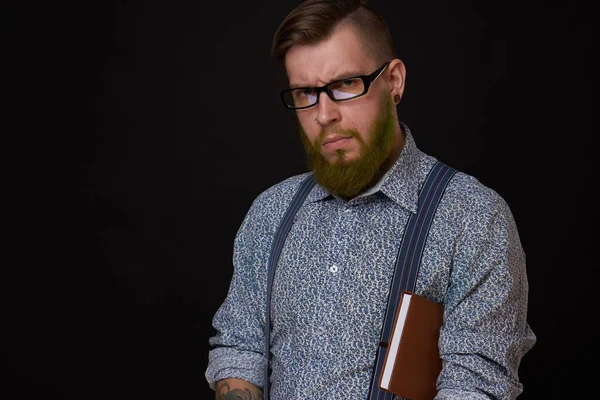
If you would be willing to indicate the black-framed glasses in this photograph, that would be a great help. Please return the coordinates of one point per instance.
(340, 90)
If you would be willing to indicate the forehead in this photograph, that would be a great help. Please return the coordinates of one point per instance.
(341, 55)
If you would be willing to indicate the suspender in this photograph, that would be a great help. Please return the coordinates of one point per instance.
(406, 270)
(280, 235)
(409, 260)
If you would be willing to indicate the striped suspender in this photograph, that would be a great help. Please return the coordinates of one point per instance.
(280, 235)
(407, 263)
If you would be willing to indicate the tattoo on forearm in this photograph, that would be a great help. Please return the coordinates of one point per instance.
(224, 392)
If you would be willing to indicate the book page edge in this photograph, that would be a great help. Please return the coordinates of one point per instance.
(395, 343)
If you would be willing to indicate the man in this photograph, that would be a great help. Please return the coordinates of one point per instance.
(332, 280)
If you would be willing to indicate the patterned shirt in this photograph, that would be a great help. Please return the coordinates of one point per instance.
(333, 277)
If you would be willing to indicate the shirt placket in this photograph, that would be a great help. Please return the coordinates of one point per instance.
(334, 271)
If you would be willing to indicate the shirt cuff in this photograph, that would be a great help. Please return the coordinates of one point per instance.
(227, 362)
(457, 394)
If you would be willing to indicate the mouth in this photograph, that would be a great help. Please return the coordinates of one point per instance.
(334, 143)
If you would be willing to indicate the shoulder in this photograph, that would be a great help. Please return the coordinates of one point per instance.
(464, 193)
(269, 206)
(473, 203)
(281, 193)
(470, 192)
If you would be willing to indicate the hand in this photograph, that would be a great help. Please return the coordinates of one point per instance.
(237, 389)
(240, 394)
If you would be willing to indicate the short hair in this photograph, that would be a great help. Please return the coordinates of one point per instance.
(315, 20)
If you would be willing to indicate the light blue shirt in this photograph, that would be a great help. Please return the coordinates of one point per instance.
(333, 277)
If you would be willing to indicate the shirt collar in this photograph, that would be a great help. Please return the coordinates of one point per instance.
(401, 183)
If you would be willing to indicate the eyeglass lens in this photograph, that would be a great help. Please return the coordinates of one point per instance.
(340, 90)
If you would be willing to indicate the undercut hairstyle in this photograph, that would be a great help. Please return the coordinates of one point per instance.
(315, 20)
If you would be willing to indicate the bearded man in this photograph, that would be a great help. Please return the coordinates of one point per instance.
(330, 288)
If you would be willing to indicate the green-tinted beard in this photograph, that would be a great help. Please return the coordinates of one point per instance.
(347, 178)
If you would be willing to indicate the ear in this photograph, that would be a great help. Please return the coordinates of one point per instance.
(397, 78)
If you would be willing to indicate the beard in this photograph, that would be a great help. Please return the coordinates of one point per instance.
(347, 178)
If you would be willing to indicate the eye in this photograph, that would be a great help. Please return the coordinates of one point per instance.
(345, 84)
(349, 82)
(304, 92)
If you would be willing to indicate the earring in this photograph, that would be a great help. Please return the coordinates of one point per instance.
(396, 98)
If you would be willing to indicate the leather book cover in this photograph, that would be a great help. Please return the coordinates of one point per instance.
(412, 361)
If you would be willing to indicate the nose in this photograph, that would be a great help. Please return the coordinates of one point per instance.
(327, 110)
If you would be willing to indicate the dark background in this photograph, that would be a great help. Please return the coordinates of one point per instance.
(136, 135)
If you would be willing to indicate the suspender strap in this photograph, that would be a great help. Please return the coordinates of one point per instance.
(408, 261)
(280, 236)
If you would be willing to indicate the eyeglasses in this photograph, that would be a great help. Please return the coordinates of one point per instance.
(340, 90)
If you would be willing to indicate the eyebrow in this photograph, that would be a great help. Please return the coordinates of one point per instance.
(336, 78)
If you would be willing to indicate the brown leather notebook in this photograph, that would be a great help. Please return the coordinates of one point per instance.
(412, 360)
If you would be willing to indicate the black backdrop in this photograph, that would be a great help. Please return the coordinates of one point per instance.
(136, 135)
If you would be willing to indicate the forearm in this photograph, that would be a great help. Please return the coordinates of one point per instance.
(237, 389)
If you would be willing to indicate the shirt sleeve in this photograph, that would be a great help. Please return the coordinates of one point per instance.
(237, 348)
(485, 332)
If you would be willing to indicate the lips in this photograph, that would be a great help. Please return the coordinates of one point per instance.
(335, 142)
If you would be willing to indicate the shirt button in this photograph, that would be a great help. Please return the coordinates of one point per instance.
(333, 269)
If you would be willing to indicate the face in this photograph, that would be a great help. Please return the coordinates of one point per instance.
(347, 178)
(352, 138)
